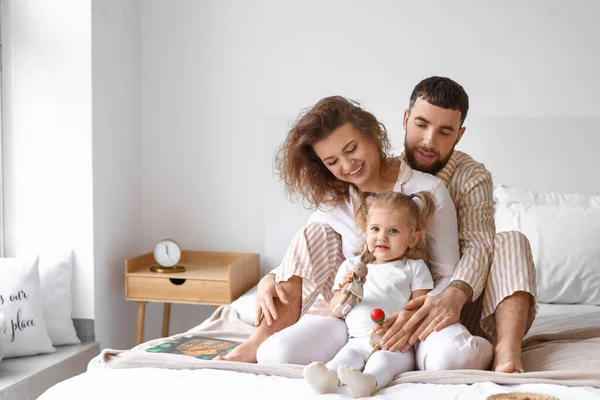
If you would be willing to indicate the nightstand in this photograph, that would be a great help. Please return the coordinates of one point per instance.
(210, 278)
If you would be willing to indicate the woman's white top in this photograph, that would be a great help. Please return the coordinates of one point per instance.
(443, 226)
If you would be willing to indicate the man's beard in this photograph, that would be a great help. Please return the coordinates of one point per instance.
(432, 169)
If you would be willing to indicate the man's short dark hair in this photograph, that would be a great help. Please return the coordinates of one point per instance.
(442, 92)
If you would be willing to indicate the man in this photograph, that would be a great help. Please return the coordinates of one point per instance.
(492, 291)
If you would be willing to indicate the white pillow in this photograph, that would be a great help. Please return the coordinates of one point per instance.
(56, 272)
(21, 303)
(564, 232)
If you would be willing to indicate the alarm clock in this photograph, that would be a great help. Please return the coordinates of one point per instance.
(167, 254)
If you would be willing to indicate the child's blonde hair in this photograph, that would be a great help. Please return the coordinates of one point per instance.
(417, 208)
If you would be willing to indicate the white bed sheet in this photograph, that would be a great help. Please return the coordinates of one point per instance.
(155, 384)
(152, 383)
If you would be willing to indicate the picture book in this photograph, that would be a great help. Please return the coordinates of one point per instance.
(205, 348)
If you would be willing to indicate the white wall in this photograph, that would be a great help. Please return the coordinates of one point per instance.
(221, 80)
(117, 163)
(548, 154)
(47, 135)
(174, 109)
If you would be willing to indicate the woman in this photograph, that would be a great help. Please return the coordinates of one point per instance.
(332, 153)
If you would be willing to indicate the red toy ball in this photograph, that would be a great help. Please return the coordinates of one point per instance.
(377, 315)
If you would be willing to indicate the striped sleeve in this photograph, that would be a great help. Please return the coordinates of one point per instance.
(476, 230)
(315, 255)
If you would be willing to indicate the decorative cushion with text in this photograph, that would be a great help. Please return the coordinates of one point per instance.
(25, 331)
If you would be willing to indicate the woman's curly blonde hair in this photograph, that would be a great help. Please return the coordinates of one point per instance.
(302, 171)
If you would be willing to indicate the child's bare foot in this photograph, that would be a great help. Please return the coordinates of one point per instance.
(245, 352)
(507, 358)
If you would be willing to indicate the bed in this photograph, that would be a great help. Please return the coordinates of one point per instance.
(162, 383)
(561, 351)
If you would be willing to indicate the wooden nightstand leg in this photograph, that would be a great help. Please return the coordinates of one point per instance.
(140, 321)
(166, 319)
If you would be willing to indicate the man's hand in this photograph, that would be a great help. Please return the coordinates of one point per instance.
(266, 291)
(433, 313)
(436, 313)
(391, 329)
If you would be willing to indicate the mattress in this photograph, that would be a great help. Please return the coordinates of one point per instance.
(154, 383)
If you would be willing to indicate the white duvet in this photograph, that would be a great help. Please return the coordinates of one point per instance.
(165, 384)
(153, 383)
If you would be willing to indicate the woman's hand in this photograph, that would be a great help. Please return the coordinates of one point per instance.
(266, 291)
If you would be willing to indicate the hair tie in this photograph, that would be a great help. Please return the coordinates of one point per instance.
(373, 194)
(412, 196)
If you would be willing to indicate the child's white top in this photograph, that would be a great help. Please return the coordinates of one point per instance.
(388, 287)
(443, 226)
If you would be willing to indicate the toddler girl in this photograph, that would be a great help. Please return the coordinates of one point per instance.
(395, 226)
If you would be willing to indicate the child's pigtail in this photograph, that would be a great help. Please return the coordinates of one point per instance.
(362, 210)
(426, 207)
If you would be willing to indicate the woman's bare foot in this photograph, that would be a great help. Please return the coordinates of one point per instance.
(245, 352)
(507, 358)
(288, 315)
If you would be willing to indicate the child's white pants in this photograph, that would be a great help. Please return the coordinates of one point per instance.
(317, 338)
(384, 365)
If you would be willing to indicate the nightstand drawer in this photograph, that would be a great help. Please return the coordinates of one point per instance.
(191, 290)
(210, 278)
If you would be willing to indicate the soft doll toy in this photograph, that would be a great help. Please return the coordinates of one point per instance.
(353, 291)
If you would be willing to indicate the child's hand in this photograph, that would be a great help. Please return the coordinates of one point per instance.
(349, 277)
